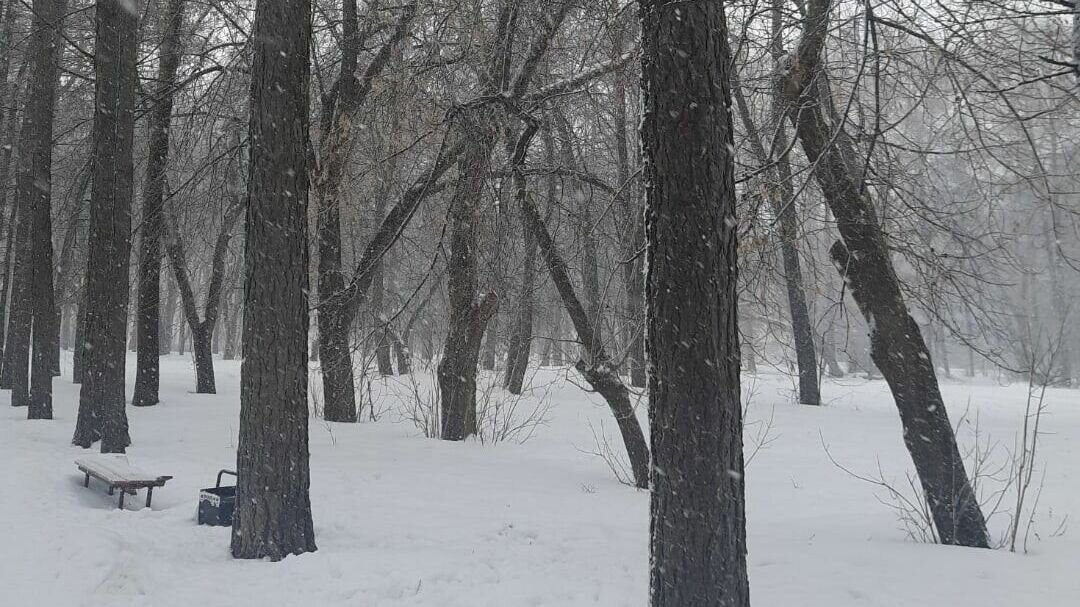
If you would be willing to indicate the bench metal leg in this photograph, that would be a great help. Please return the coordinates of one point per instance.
(122, 494)
(111, 489)
(86, 483)
(149, 495)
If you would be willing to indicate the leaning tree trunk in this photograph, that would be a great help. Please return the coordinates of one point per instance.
(148, 321)
(698, 522)
(273, 507)
(102, 411)
(897, 346)
(595, 365)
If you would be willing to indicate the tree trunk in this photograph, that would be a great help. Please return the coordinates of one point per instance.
(780, 192)
(896, 344)
(148, 321)
(16, 372)
(37, 187)
(698, 522)
(102, 411)
(468, 318)
(273, 507)
(202, 338)
(78, 356)
(517, 358)
(168, 319)
(595, 365)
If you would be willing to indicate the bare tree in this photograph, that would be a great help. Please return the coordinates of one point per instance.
(698, 522)
(273, 508)
(102, 399)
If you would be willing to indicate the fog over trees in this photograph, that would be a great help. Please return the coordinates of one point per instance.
(658, 198)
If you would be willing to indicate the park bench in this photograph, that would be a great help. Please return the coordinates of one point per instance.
(115, 471)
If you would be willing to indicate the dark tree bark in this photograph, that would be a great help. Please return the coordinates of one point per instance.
(698, 523)
(148, 321)
(167, 320)
(102, 412)
(896, 343)
(273, 507)
(17, 354)
(35, 187)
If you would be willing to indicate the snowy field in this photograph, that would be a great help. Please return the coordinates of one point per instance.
(402, 520)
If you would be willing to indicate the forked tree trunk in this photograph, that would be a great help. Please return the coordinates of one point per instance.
(102, 411)
(896, 343)
(273, 507)
(17, 354)
(202, 329)
(698, 522)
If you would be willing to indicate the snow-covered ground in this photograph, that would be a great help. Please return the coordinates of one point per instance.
(402, 520)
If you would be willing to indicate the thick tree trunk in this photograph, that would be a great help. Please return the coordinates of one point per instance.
(698, 522)
(168, 319)
(148, 320)
(37, 188)
(468, 318)
(202, 329)
(273, 507)
(102, 399)
(896, 343)
(16, 372)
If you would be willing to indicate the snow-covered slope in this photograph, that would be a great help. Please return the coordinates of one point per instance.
(402, 520)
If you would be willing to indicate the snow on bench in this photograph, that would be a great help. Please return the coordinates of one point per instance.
(114, 470)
